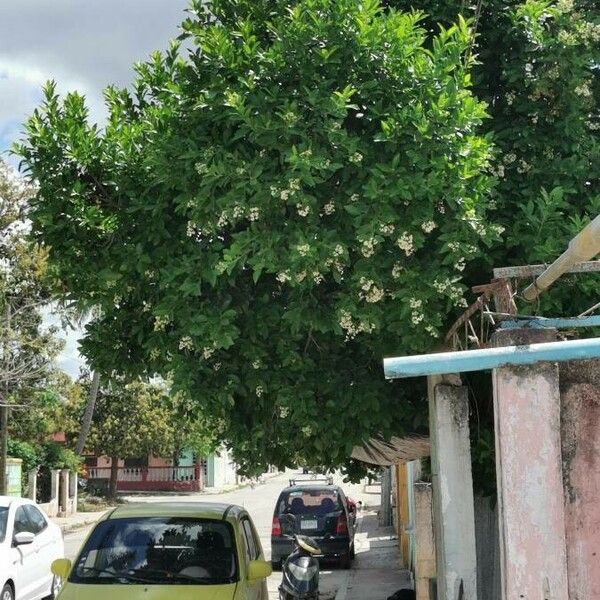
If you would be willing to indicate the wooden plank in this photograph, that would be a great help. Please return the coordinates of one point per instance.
(525, 271)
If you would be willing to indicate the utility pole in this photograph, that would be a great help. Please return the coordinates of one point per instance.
(4, 418)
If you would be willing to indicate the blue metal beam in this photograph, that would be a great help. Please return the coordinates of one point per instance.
(489, 358)
(552, 323)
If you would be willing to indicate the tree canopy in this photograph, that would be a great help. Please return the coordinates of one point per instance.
(304, 187)
(263, 220)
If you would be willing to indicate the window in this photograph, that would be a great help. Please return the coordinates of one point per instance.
(159, 551)
(3, 522)
(252, 549)
(311, 502)
(22, 521)
(36, 519)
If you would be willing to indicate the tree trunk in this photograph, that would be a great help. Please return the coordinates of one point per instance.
(3, 447)
(88, 415)
(114, 477)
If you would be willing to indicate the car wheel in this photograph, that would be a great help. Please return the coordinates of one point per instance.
(7, 593)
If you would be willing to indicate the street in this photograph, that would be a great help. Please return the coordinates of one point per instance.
(260, 503)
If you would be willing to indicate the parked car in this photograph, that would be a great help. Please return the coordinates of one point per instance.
(29, 542)
(321, 512)
(198, 551)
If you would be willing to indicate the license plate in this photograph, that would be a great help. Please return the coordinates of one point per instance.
(310, 524)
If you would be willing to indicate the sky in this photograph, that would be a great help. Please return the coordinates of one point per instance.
(83, 45)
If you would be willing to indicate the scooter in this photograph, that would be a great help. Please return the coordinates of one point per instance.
(300, 579)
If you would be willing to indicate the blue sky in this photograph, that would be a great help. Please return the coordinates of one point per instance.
(83, 45)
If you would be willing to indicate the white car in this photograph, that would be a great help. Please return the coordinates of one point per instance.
(29, 543)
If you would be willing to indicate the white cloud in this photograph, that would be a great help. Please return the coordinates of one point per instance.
(83, 45)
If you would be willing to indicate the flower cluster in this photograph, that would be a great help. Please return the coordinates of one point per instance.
(303, 209)
(208, 351)
(186, 343)
(303, 249)
(397, 270)
(356, 158)
(283, 276)
(370, 292)
(259, 391)
(368, 247)
(329, 208)
(405, 242)
(254, 213)
(161, 322)
(352, 329)
(387, 229)
(428, 226)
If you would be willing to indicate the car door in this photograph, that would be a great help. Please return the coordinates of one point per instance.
(254, 589)
(46, 541)
(25, 559)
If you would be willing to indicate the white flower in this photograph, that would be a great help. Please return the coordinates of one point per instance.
(338, 250)
(368, 247)
(306, 153)
(356, 158)
(387, 229)
(238, 211)
(300, 277)
(240, 170)
(303, 209)
(535, 118)
(528, 68)
(405, 242)
(583, 90)
(317, 277)
(186, 343)
(161, 322)
(191, 229)
(441, 208)
(417, 317)
(374, 295)
(259, 391)
(283, 276)
(329, 208)
(415, 303)
(303, 249)
(254, 213)
(207, 352)
(256, 364)
(294, 185)
(146, 306)
(154, 354)
(428, 226)
(354, 198)
(510, 158)
(459, 265)
(510, 98)
(285, 194)
(216, 366)
(275, 191)
(397, 270)
(523, 167)
(201, 168)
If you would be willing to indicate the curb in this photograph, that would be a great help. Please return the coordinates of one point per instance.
(343, 589)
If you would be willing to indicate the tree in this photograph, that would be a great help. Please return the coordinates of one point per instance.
(27, 349)
(131, 420)
(263, 221)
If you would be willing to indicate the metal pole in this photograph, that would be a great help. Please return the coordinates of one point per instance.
(490, 358)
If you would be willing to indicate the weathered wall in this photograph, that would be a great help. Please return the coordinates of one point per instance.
(580, 424)
(451, 476)
(425, 567)
(528, 467)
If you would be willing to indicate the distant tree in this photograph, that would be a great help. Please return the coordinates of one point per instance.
(27, 348)
(131, 420)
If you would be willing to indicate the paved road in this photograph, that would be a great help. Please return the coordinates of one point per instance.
(260, 503)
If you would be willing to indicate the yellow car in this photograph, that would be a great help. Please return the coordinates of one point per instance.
(179, 551)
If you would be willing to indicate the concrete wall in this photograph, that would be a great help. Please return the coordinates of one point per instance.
(580, 424)
(425, 552)
(528, 468)
(454, 519)
(221, 470)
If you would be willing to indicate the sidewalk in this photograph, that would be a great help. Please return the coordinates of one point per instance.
(77, 521)
(377, 571)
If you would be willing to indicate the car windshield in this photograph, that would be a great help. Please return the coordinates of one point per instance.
(3, 522)
(158, 550)
(310, 502)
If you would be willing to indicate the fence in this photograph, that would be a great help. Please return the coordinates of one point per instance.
(153, 479)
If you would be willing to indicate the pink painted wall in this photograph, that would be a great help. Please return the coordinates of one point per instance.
(530, 487)
(580, 399)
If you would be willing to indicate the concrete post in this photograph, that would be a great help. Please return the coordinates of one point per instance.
(425, 568)
(385, 512)
(528, 466)
(454, 518)
(63, 501)
(73, 480)
(32, 485)
(580, 423)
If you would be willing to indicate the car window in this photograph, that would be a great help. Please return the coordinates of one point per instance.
(3, 522)
(158, 550)
(22, 521)
(252, 551)
(310, 502)
(36, 518)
